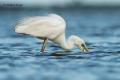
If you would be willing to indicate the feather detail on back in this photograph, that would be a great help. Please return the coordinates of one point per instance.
(41, 25)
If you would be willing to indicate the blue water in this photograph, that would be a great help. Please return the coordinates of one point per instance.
(100, 28)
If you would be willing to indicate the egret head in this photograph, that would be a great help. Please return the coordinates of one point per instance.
(82, 46)
(80, 43)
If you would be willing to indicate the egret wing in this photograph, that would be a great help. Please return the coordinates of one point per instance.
(39, 26)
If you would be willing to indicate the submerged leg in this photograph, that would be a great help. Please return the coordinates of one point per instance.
(44, 45)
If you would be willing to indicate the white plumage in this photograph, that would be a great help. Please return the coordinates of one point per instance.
(50, 27)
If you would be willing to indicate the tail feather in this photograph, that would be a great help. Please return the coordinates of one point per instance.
(20, 29)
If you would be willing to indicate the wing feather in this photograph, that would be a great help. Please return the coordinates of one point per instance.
(38, 25)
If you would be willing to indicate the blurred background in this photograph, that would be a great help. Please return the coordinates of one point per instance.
(60, 3)
(96, 21)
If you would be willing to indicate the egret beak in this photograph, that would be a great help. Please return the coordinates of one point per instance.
(84, 48)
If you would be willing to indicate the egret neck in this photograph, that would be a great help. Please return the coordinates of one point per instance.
(70, 42)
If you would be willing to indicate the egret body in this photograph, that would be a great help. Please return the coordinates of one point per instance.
(50, 27)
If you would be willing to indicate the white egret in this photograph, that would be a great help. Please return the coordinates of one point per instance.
(50, 27)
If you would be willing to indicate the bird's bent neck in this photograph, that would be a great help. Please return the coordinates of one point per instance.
(66, 44)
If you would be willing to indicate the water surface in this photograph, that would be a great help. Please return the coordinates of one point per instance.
(100, 28)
